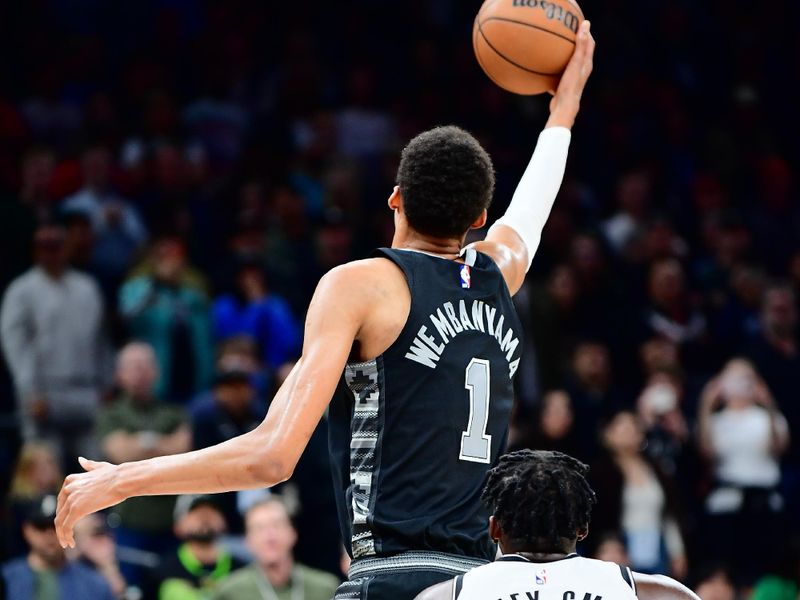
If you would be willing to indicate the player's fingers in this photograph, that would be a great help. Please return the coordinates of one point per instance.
(91, 465)
(585, 41)
(65, 535)
(61, 515)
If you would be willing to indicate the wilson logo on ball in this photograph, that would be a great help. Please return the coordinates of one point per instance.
(552, 11)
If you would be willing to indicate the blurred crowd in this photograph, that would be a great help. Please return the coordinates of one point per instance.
(175, 176)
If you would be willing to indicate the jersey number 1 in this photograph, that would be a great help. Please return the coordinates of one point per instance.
(476, 444)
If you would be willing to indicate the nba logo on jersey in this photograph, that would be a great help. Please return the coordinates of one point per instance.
(541, 577)
(465, 277)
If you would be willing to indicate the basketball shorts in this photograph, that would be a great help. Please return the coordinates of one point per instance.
(401, 576)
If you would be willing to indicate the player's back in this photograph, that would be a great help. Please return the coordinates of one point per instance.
(513, 577)
(413, 432)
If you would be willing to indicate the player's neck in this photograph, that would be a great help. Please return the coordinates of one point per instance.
(544, 556)
(555, 553)
(411, 240)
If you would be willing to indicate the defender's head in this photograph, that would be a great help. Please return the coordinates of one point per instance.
(445, 183)
(540, 502)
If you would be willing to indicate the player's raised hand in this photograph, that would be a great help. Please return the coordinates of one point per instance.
(83, 494)
(567, 98)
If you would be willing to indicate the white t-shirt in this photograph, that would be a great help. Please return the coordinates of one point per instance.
(512, 577)
(741, 441)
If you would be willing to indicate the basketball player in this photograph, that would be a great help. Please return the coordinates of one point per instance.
(417, 347)
(542, 505)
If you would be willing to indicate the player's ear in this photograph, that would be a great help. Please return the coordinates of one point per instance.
(495, 532)
(480, 221)
(395, 200)
(583, 533)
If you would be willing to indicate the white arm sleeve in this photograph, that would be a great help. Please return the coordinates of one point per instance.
(538, 188)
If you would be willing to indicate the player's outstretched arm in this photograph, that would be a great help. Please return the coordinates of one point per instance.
(512, 241)
(660, 587)
(260, 458)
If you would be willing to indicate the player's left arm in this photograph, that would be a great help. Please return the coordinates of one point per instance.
(440, 591)
(512, 241)
(660, 587)
(263, 457)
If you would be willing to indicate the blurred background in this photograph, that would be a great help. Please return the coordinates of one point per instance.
(176, 175)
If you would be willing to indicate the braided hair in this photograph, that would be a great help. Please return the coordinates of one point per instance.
(539, 498)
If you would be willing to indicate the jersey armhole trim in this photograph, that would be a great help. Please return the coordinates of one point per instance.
(457, 585)
(627, 575)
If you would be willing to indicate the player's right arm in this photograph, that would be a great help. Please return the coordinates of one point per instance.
(660, 587)
(512, 241)
(268, 454)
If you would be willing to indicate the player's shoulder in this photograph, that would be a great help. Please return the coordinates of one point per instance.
(362, 274)
(660, 586)
(603, 567)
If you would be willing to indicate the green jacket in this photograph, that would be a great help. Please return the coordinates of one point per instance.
(246, 584)
(151, 311)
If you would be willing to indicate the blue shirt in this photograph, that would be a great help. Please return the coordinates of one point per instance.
(75, 580)
(270, 322)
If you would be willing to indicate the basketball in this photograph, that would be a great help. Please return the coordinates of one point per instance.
(525, 45)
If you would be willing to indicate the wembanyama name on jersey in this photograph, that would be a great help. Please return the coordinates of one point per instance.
(448, 322)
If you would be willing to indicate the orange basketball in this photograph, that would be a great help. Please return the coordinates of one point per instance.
(525, 45)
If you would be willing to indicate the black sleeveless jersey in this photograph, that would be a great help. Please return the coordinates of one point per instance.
(413, 432)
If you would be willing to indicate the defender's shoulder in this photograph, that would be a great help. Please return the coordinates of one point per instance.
(661, 587)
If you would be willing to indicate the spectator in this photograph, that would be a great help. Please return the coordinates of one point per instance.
(45, 573)
(52, 334)
(95, 547)
(118, 230)
(200, 563)
(166, 308)
(611, 548)
(253, 310)
(137, 425)
(274, 573)
(658, 355)
(659, 408)
(601, 294)
(551, 429)
(671, 314)
(737, 320)
(774, 354)
(634, 192)
(240, 353)
(714, 583)
(364, 131)
(20, 216)
(636, 499)
(592, 392)
(229, 409)
(37, 473)
(557, 325)
(743, 435)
